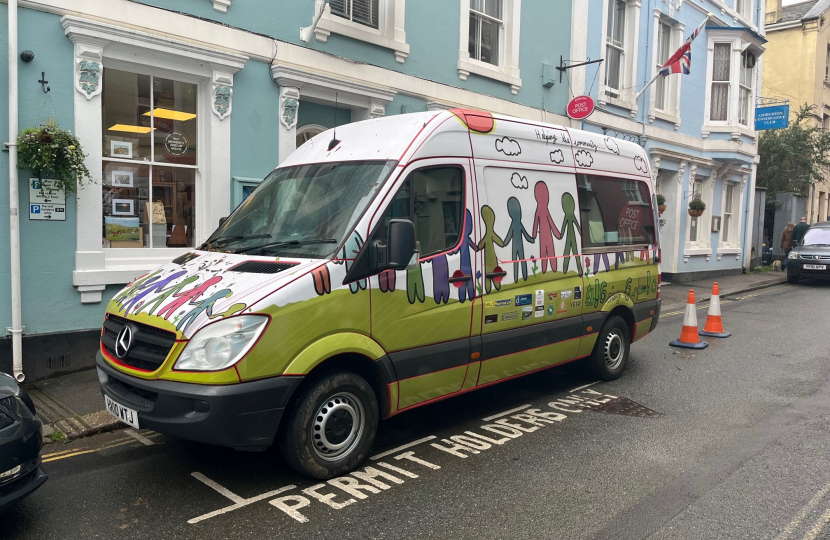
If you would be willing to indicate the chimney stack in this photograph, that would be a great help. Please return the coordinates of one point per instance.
(774, 12)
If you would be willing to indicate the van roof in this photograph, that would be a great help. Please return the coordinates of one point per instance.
(497, 137)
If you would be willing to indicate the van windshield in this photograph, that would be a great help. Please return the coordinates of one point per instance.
(304, 211)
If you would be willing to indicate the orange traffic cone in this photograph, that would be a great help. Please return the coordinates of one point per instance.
(688, 336)
(714, 324)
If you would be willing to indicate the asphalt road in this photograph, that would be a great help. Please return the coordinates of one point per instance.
(729, 442)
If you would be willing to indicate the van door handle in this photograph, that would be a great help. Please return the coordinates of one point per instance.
(458, 279)
(491, 275)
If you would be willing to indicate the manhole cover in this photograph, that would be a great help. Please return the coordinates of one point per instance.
(624, 406)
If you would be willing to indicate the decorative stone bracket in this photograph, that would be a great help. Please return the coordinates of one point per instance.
(289, 106)
(221, 5)
(88, 69)
(222, 102)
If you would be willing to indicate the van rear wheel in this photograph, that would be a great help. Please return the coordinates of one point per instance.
(331, 427)
(611, 350)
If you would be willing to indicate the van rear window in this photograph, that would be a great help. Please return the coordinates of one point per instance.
(614, 212)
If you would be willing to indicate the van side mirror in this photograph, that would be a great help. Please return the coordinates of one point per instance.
(222, 220)
(400, 244)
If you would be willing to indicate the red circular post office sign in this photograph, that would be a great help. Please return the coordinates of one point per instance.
(581, 107)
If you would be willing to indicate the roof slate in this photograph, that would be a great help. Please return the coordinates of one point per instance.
(797, 12)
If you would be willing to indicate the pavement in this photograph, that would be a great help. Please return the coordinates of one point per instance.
(729, 442)
(73, 405)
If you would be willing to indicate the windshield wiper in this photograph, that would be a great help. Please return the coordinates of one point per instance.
(289, 243)
(234, 239)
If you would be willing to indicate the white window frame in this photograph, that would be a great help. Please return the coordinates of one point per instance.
(390, 34)
(671, 111)
(628, 68)
(140, 52)
(699, 246)
(508, 69)
(745, 14)
(739, 41)
(731, 245)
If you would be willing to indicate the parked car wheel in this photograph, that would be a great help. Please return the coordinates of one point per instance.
(792, 279)
(331, 426)
(611, 350)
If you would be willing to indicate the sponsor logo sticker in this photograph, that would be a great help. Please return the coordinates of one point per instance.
(552, 295)
(540, 297)
(503, 302)
(564, 295)
(577, 293)
(551, 309)
(489, 319)
(524, 299)
(562, 305)
(510, 316)
(489, 304)
(540, 311)
(526, 312)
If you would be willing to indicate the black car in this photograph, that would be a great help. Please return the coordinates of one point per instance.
(811, 257)
(20, 443)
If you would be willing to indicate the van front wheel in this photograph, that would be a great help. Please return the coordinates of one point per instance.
(331, 427)
(611, 350)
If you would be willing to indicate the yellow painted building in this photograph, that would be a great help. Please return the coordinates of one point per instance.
(796, 67)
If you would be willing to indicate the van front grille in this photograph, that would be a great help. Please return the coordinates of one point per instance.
(150, 345)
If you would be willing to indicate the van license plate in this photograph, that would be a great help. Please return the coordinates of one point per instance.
(815, 267)
(128, 416)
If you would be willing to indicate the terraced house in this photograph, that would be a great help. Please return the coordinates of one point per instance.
(182, 106)
(698, 128)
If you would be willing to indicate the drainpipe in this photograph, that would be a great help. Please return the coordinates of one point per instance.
(14, 203)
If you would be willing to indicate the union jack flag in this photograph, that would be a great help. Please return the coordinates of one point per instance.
(681, 60)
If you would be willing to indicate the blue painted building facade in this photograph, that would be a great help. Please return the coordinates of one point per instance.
(698, 128)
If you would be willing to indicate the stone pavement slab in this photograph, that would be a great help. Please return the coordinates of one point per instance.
(675, 294)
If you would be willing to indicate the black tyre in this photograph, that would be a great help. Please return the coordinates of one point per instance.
(331, 426)
(611, 350)
(792, 279)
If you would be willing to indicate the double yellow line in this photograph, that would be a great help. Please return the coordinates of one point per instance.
(54, 456)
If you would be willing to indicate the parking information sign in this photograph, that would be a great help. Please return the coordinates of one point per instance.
(42, 205)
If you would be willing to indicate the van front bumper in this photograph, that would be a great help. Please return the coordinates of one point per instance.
(244, 416)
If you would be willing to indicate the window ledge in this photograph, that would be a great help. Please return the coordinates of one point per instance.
(735, 130)
(124, 265)
(663, 115)
(697, 251)
(631, 105)
(483, 69)
(328, 26)
(726, 250)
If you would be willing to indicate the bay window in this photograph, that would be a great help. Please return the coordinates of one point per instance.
(150, 128)
(727, 211)
(719, 111)
(745, 86)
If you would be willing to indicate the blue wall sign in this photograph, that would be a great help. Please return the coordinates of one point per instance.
(772, 117)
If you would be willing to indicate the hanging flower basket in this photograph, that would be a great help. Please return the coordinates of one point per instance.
(696, 208)
(51, 152)
(661, 203)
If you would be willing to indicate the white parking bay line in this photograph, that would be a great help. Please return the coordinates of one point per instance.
(584, 386)
(404, 447)
(239, 502)
(139, 437)
(818, 526)
(505, 413)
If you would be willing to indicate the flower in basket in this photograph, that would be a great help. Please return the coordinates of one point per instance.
(661, 200)
(51, 152)
(697, 205)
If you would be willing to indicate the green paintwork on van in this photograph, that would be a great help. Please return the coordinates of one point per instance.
(618, 299)
(398, 325)
(586, 344)
(643, 328)
(296, 327)
(434, 385)
(515, 364)
(393, 397)
(324, 348)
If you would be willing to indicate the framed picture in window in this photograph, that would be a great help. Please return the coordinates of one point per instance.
(122, 207)
(715, 223)
(121, 149)
(121, 179)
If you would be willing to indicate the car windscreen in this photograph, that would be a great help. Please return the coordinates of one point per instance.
(816, 237)
(302, 211)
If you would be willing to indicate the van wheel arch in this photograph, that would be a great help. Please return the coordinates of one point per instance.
(356, 363)
(628, 316)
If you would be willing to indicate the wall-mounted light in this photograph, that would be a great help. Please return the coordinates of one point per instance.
(27, 56)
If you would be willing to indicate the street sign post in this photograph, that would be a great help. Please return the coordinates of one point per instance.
(42, 205)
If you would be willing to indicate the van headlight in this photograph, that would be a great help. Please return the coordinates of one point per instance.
(222, 344)
(793, 255)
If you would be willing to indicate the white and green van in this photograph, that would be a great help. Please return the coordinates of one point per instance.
(410, 259)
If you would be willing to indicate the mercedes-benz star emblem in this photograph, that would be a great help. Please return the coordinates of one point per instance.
(123, 341)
